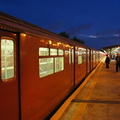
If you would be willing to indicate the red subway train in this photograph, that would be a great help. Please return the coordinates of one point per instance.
(38, 69)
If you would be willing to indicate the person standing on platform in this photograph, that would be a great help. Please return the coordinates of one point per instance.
(107, 61)
(117, 62)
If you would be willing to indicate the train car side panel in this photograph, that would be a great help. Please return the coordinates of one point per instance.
(43, 90)
(9, 90)
(80, 64)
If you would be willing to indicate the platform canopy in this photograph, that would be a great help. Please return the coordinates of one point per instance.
(112, 50)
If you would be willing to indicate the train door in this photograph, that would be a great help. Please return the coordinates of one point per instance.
(9, 93)
(73, 66)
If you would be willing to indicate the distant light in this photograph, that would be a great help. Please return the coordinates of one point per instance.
(58, 43)
(23, 34)
(50, 42)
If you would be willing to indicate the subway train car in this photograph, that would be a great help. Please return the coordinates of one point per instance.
(39, 69)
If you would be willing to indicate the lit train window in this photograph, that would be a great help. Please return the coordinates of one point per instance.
(59, 64)
(43, 51)
(79, 59)
(49, 63)
(60, 52)
(53, 51)
(45, 67)
(7, 59)
(72, 55)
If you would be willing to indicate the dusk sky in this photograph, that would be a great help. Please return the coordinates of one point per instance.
(96, 22)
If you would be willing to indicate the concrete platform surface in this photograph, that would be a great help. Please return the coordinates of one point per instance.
(98, 98)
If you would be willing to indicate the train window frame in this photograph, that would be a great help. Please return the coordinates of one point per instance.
(6, 77)
(45, 51)
(57, 56)
(80, 55)
(53, 52)
(80, 59)
(50, 68)
(73, 55)
(60, 52)
(59, 64)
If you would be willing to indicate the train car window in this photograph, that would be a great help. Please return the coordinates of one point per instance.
(94, 56)
(53, 51)
(60, 52)
(43, 51)
(79, 59)
(7, 59)
(72, 55)
(59, 64)
(46, 67)
(80, 55)
(51, 60)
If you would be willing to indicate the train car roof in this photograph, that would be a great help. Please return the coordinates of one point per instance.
(17, 25)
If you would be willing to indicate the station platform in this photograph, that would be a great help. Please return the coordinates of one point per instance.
(97, 98)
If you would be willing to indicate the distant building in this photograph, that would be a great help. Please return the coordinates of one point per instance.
(112, 50)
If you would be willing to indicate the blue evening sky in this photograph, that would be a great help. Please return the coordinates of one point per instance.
(97, 22)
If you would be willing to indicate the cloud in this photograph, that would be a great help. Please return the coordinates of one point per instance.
(117, 35)
(108, 32)
(98, 42)
(111, 36)
(88, 36)
(73, 31)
